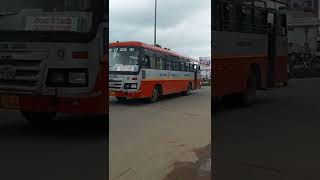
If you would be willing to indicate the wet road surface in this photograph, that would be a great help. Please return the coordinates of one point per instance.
(69, 148)
(149, 141)
(277, 138)
(199, 170)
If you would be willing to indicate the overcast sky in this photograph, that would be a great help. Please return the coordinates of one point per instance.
(182, 25)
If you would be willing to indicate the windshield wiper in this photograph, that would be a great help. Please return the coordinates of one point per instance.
(8, 14)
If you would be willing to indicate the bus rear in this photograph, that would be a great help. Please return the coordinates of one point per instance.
(249, 47)
(53, 57)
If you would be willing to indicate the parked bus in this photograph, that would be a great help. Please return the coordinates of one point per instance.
(249, 47)
(53, 57)
(139, 70)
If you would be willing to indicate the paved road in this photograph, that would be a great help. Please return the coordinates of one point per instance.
(277, 138)
(69, 148)
(146, 140)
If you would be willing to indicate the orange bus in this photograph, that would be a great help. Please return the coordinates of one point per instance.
(249, 47)
(53, 58)
(139, 70)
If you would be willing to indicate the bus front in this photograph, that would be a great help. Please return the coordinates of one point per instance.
(124, 69)
(52, 56)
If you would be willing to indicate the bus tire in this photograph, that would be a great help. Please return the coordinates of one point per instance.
(187, 92)
(249, 96)
(38, 117)
(156, 92)
(121, 99)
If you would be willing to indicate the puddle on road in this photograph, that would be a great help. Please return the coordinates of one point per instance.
(199, 170)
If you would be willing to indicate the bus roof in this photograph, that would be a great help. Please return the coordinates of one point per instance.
(148, 46)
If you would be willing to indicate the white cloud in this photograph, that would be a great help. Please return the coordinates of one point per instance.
(183, 25)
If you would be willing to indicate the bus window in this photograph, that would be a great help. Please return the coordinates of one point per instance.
(174, 65)
(182, 66)
(260, 21)
(187, 66)
(217, 14)
(177, 68)
(283, 25)
(158, 63)
(228, 16)
(162, 64)
(246, 19)
(170, 64)
(167, 63)
(146, 62)
(152, 62)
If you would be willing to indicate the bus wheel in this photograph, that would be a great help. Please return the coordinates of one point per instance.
(249, 96)
(187, 92)
(38, 117)
(155, 94)
(121, 99)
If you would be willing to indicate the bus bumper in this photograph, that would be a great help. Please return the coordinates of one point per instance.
(74, 105)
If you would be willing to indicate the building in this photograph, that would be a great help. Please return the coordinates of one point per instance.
(205, 65)
(303, 23)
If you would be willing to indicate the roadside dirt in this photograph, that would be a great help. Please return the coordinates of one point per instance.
(199, 170)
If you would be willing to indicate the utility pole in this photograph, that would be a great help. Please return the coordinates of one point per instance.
(155, 23)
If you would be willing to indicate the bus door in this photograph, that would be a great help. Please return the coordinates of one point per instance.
(197, 76)
(271, 48)
(195, 67)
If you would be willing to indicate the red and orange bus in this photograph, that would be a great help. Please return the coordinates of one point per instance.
(139, 70)
(249, 47)
(53, 58)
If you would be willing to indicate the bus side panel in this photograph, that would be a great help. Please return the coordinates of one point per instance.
(281, 62)
(281, 69)
(168, 86)
(231, 74)
(234, 53)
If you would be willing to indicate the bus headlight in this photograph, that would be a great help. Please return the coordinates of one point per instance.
(130, 86)
(67, 78)
(134, 86)
(56, 78)
(79, 78)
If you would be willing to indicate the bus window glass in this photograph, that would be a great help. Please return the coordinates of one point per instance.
(246, 19)
(260, 21)
(166, 64)
(124, 56)
(183, 66)
(228, 16)
(162, 63)
(170, 64)
(158, 63)
(146, 62)
(152, 62)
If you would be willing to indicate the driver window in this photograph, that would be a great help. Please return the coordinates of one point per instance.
(146, 62)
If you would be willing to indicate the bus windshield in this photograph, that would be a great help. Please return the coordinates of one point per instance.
(124, 59)
(46, 15)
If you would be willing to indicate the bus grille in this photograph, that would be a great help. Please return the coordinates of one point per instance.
(23, 74)
(115, 84)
